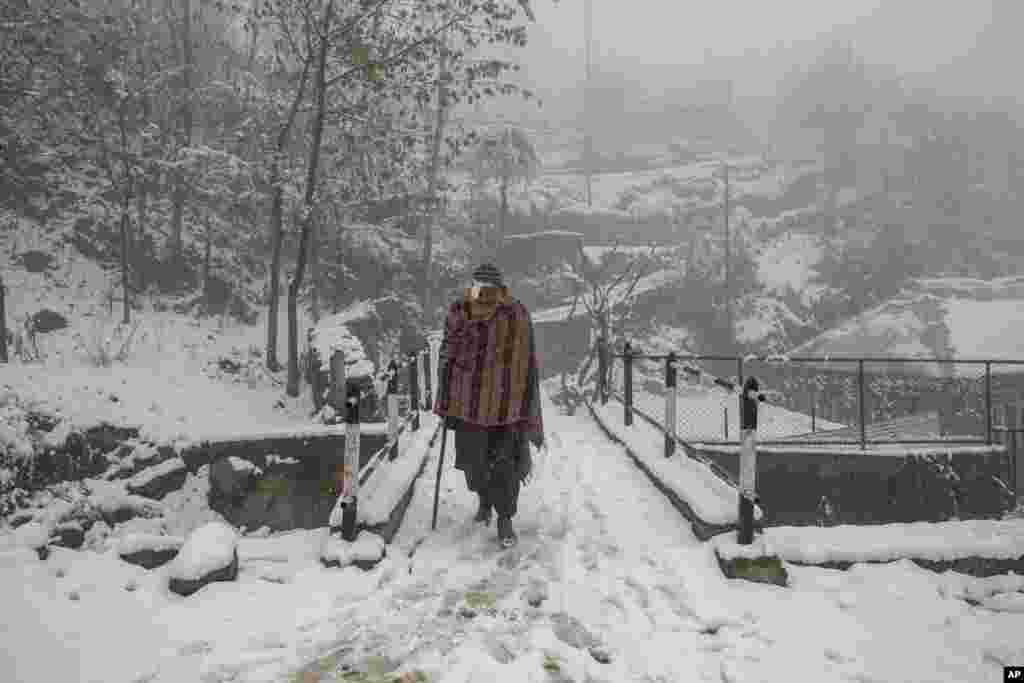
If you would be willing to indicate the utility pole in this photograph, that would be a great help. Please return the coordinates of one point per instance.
(587, 140)
(728, 255)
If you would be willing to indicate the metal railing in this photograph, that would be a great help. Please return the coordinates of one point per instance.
(418, 396)
(913, 401)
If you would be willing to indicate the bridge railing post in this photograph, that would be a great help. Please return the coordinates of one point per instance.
(414, 390)
(428, 389)
(627, 379)
(750, 396)
(350, 468)
(392, 408)
(671, 377)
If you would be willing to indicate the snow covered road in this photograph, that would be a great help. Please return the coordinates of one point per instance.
(607, 585)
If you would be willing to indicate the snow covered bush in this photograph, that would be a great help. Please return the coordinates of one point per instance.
(105, 344)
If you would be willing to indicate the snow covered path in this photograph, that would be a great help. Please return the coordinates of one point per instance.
(606, 570)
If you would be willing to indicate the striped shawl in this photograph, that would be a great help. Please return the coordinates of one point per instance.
(488, 372)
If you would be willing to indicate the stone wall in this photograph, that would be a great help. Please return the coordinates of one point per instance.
(293, 487)
(874, 488)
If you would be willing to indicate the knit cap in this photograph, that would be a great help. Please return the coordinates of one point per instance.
(488, 273)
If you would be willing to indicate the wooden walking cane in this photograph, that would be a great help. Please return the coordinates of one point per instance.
(440, 466)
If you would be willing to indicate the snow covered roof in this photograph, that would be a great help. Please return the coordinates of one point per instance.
(921, 324)
(546, 233)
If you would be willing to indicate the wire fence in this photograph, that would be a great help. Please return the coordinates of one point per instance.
(826, 401)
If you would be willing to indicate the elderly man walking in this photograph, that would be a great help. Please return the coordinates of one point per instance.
(489, 394)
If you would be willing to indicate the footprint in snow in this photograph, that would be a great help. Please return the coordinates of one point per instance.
(617, 607)
(679, 606)
(640, 592)
(196, 647)
(595, 511)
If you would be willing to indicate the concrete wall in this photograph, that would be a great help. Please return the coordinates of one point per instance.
(874, 488)
(287, 495)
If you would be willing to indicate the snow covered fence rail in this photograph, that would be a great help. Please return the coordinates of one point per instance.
(418, 364)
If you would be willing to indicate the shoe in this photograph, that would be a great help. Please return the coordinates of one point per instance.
(483, 512)
(506, 534)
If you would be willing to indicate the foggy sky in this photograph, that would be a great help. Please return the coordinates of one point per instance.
(750, 41)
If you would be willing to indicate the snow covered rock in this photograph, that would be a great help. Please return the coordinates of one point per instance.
(69, 535)
(138, 458)
(159, 480)
(116, 505)
(209, 554)
(149, 550)
(20, 518)
(365, 552)
(572, 632)
(232, 477)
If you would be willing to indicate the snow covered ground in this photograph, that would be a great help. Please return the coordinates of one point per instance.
(613, 571)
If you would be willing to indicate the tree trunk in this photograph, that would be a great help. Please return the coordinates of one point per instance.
(208, 249)
(276, 227)
(274, 291)
(309, 201)
(140, 241)
(502, 213)
(429, 219)
(126, 199)
(125, 287)
(3, 322)
(314, 272)
(180, 191)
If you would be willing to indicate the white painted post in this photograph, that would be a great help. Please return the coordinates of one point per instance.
(393, 424)
(748, 462)
(421, 369)
(670, 404)
(750, 396)
(350, 490)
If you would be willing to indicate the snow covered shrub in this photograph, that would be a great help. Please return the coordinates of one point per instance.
(106, 344)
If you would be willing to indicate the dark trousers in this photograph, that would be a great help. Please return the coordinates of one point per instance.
(490, 461)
